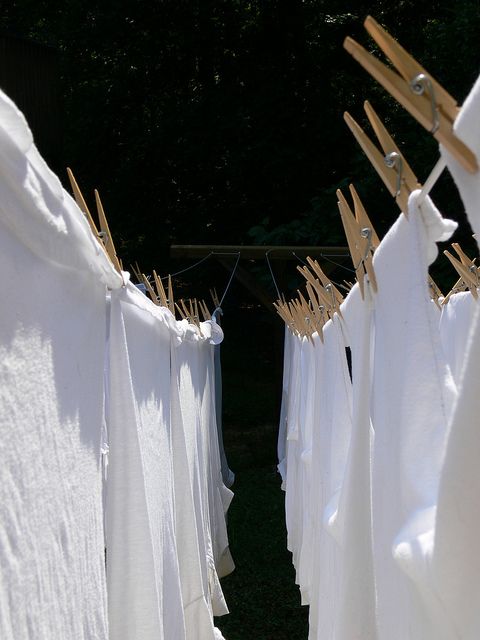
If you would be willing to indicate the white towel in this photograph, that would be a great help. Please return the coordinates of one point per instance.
(144, 592)
(52, 344)
(412, 397)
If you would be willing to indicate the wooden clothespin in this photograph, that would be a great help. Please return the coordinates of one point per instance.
(204, 309)
(390, 165)
(215, 299)
(106, 235)
(186, 312)
(336, 297)
(435, 292)
(318, 310)
(170, 301)
(465, 268)
(324, 298)
(361, 241)
(181, 312)
(80, 200)
(149, 288)
(300, 318)
(105, 232)
(284, 312)
(308, 315)
(162, 297)
(362, 217)
(136, 271)
(415, 89)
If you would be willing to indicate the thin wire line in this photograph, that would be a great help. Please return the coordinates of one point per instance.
(337, 284)
(231, 278)
(192, 266)
(299, 259)
(271, 273)
(342, 266)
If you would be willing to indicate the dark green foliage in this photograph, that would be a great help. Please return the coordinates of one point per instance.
(219, 121)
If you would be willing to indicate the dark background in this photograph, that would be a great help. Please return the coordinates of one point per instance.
(221, 122)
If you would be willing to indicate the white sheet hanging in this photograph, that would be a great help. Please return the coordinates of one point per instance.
(412, 399)
(52, 342)
(144, 592)
(331, 435)
(441, 555)
(186, 376)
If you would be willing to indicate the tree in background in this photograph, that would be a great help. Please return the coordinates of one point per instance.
(221, 121)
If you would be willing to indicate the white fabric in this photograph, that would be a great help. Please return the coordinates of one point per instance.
(282, 430)
(350, 518)
(52, 341)
(144, 592)
(331, 435)
(194, 582)
(292, 500)
(442, 556)
(302, 557)
(467, 129)
(456, 322)
(185, 375)
(412, 396)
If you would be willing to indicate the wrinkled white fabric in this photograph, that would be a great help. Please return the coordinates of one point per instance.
(282, 430)
(412, 398)
(441, 555)
(292, 503)
(302, 556)
(194, 581)
(144, 592)
(185, 375)
(350, 517)
(456, 322)
(219, 496)
(331, 435)
(52, 343)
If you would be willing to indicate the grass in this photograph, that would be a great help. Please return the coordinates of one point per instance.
(263, 599)
(261, 593)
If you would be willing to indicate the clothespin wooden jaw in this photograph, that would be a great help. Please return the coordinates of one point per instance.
(106, 234)
(415, 89)
(150, 289)
(136, 272)
(361, 241)
(325, 300)
(284, 312)
(309, 317)
(162, 297)
(170, 301)
(390, 165)
(215, 299)
(181, 312)
(80, 200)
(334, 294)
(318, 310)
(435, 293)
(103, 236)
(204, 309)
(466, 269)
